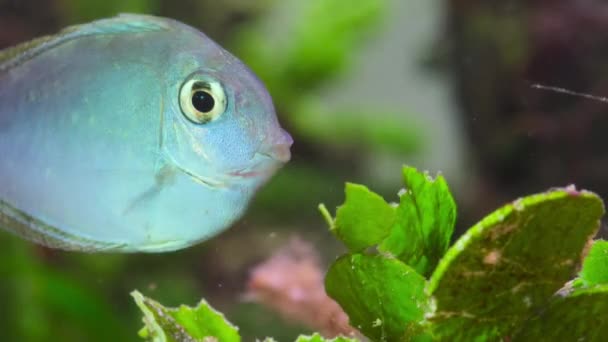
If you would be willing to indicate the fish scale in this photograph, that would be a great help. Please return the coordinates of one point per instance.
(97, 154)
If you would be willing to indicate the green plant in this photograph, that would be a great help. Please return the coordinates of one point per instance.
(201, 323)
(500, 280)
(510, 277)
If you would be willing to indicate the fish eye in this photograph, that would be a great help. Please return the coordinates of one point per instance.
(202, 101)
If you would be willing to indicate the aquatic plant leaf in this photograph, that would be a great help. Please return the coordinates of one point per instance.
(183, 323)
(364, 219)
(595, 265)
(424, 223)
(510, 264)
(319, 338)
(579, 316)
(383, 297)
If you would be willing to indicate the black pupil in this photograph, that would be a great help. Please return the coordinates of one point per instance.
(203, 101)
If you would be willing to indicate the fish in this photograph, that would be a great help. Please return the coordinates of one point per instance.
(133, 133)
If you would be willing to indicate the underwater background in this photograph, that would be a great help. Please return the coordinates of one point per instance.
(363, 87)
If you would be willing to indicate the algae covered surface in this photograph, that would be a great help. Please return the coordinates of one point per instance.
(511, 263)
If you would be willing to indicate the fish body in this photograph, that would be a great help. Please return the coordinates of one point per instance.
(131, 134)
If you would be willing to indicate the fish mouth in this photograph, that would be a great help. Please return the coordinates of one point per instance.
(212, 183)
(262, 169)
(247, 173)
(252, 172)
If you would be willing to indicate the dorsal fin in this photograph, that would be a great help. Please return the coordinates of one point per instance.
(123, 23)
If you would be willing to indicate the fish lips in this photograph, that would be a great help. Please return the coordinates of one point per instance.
(260, 171)
(265, 162)
(271, 155)
(267, 165)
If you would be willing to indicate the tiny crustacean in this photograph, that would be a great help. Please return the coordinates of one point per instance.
(134, 133)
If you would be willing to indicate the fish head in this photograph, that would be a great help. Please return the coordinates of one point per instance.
(219, 124)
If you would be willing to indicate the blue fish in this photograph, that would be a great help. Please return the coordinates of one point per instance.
(131, 134)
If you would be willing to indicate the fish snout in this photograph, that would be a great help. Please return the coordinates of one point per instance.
(279, 147)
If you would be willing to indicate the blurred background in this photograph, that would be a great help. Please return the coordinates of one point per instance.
(363, 87)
